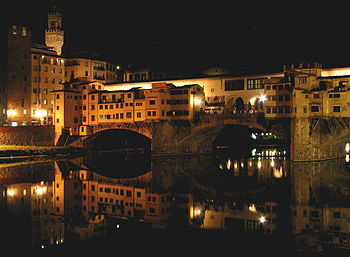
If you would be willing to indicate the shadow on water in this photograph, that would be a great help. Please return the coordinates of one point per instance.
(119, 165)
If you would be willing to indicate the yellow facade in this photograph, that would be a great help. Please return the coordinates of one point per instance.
(161, 102)
(47, 75)
(68, 107)
(91, 69)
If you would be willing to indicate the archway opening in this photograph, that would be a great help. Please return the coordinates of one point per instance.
(239, 104)
(121, 140)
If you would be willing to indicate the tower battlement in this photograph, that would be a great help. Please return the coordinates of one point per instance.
(54, 34)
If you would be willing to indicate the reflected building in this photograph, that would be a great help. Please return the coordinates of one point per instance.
(28, 208)
(321, 211)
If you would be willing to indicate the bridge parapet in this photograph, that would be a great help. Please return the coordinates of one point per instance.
(249, 119)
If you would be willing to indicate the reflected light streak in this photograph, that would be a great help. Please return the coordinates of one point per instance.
(259, 164)
(228, 164)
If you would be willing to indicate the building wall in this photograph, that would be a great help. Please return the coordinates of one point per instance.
(27, 135)
(17, 88)
(68, 109)
(47, 75)
(91, 69)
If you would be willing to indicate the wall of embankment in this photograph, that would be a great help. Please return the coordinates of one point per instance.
(28, 135)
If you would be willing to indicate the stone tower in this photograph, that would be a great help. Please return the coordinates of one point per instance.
(54, 35)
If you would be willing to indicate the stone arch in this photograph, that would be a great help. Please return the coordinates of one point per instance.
(239, 104)
(144, 128)
(115, 138)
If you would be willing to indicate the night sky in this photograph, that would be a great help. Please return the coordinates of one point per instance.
(191, 36)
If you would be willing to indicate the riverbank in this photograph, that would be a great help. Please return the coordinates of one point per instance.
(15, 153)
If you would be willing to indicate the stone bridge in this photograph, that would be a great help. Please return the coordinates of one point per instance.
(198, 135)
(319, 138)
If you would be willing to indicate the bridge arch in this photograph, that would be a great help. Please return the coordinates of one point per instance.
(203, 134)
(123, 140)
(144, 128)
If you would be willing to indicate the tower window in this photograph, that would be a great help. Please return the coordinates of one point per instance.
(24, 31)
(14, 29)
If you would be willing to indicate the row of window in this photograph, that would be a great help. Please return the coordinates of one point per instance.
(317, 96)
(279, 98)
(277, 87)
(76, 97)
(47, 60)
(46, 69)
(277, 109)
(178, 92)
(316, 108)
(116, 116)
(45, 80)
(118, 105)
(171, 102)
(128, 115)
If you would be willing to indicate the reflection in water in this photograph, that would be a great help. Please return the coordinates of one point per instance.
(307, 204)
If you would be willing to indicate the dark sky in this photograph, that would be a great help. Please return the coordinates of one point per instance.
(190, 36)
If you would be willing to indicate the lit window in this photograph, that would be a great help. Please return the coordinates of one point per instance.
(14, 29)
(24, 31)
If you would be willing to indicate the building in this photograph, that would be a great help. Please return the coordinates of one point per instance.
(29, 208)
(54, 34)
(87, 104)
(15, 75)
(29, 72)
(47, 75)
(77, 68)
(224, 92)
(67, 110)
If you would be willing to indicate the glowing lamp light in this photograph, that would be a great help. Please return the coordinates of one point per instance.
(347, 148)
(262, 98)
(40, 114)
(11, 192)
(252, 208)
(197, 212)
(11, 112)
(40, 190)
(197, 101)
(262, 219)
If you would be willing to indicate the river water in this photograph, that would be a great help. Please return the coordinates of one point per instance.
(53, 208)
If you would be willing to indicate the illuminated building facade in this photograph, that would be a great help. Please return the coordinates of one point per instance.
(94, 106)
(67, 110)
(47, 75)
(54, 34)
(77, 68)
